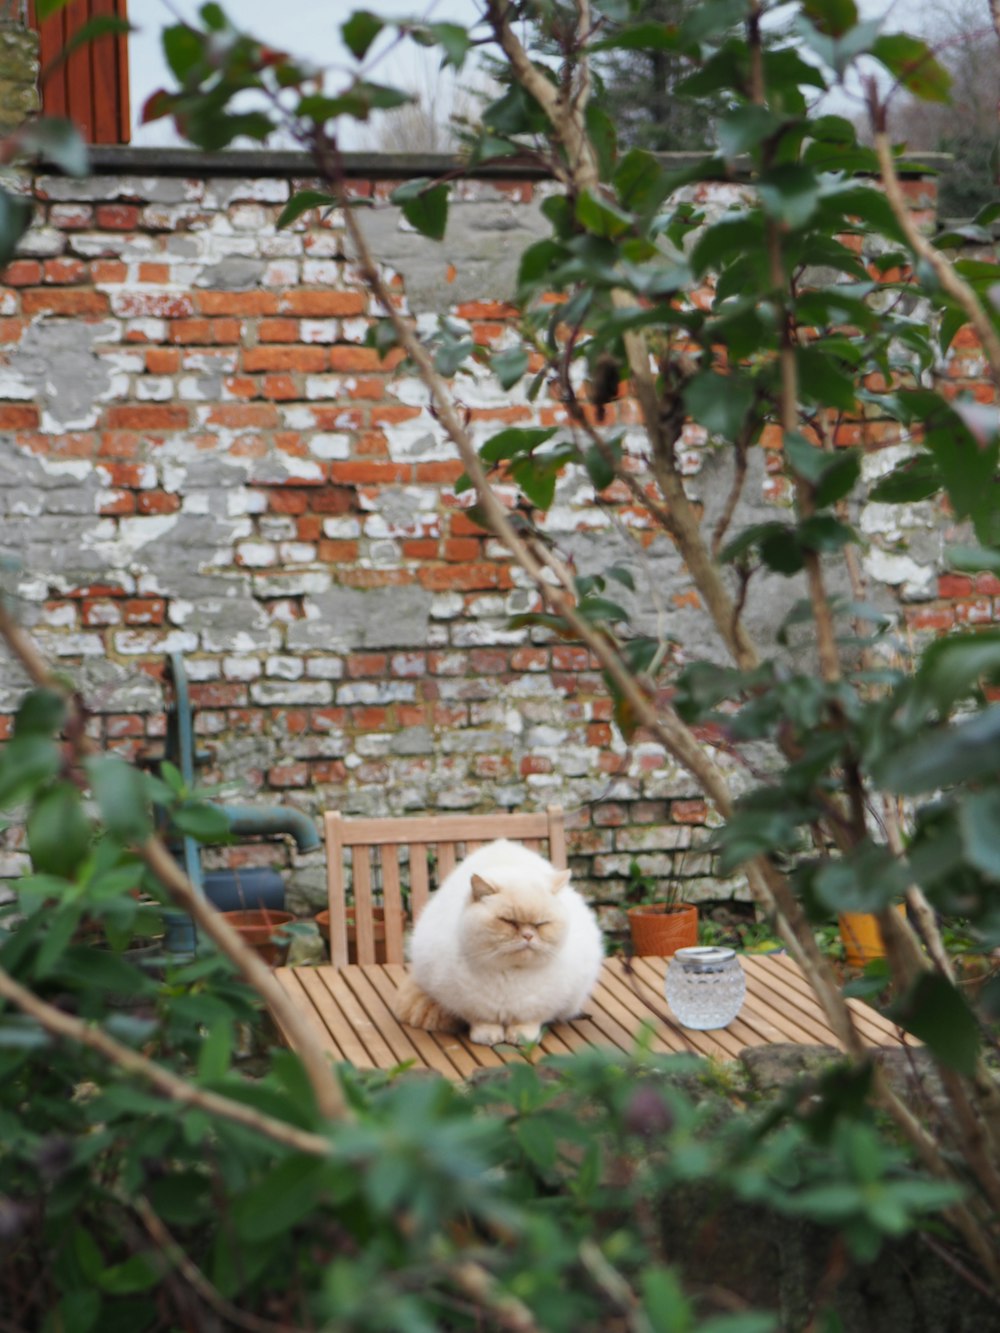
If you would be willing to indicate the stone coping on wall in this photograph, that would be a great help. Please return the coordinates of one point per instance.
(115, 159)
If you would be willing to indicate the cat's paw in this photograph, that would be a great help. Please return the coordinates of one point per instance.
(520, 1033)
(486, 1034)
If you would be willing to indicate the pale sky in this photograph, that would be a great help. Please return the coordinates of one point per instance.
(311, 29)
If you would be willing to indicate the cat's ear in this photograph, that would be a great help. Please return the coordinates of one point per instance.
(560, 878)
(481, 888)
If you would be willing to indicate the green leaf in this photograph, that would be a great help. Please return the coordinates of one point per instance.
(514, 441)
(962, 752)
(663, 1301)
(138, 1273)
(46, 8)
(914, 64)
(720, 403)
(602, 218)
(917, 478)
(215, 1052)
(359, 31)
(15, 219)
(42, 713)
(537, 1139)
(200, 820)
(745, 128)
(59, 833)
(537, 479)
(641, 37)
(979, 825)
(76, 1312)
(183, 48)
(973, 559)
(937, 1014)
(425, 207)
(600, 609)
(120, 791)
(56, 941)
(454, 40)
(951, 668)
(301, 202)
(509, 365)
(59, 142)
(285, 1196)
(789, 193)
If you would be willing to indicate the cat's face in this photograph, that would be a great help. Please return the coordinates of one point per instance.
(521, 923)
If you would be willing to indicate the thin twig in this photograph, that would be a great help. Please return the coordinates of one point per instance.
(165, 1081)
(329, 1096)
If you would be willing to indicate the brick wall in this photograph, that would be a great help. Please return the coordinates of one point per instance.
(198, 454)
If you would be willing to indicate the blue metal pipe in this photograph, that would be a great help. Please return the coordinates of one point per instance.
(267, 820)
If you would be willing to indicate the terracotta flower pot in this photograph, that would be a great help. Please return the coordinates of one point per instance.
(662, 928)
(378, 929)
(258, 928)
(861, 936)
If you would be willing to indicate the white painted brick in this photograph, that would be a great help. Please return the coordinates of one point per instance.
(257, 554)
(242, 668)
(284, 668)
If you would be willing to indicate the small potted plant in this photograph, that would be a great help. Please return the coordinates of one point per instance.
(660, 922)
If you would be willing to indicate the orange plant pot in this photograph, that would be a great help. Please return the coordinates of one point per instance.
(661, 929)
(378, 930)
(861, 936)
(258, 927)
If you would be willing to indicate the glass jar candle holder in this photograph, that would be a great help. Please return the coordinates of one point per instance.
(705, 987)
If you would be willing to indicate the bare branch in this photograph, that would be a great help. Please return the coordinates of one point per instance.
(164, 1081)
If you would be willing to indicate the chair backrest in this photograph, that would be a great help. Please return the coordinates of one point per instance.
(449, 837)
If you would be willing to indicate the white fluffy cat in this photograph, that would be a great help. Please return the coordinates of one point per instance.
(504, 945)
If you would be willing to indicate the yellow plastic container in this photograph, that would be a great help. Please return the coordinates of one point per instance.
(862, 938)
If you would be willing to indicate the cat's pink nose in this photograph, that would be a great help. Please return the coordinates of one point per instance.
(527, 934)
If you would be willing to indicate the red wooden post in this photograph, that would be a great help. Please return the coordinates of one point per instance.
(91, 87)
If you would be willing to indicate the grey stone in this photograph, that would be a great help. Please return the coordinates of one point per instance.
(233, 275)
(345, 619)
(56, 361)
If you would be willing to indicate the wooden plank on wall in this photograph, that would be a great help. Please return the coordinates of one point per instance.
(91, 87)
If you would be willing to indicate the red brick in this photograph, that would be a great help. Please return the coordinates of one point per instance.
(279, 357)
(147, 416)
(218, 694)
(12, 330)
(327, 719)
(954, 585)
(163, 360)
(467, 578)
(444, 472)
(282, 389)
(369, 390)
(535, 763)
(244, 415)
(929, 617)
(529, 659)
(108, 271)
(309, 528)
(485, 310)
(237, 303)
(118, 444)
(463, 548)
(367, 664)
(240, 386)
(65, 270)
(192, 332)
(144, 611)
(60, 301)
(121, 502)
(392, 416)
(18, 416)
(287, 501)
(688, 812)
(157, 502)
(599, 734)
(329, 770)
(567, 658)
(278, 330)
(322, 303)
(463, 526)
(22, 273)
(289, 775)
(100, 611)
(411, 715)
(337, 552)
(422, 548)
(989, 584)
(376, 578)
(154, 272)
(352, 359)
(374, 473)
(117, 217)
(488, 661)
(333, 500)
(370, 719)
(153, 305)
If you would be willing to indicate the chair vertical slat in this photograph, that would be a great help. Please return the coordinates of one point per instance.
(363, 923)
(534, 845)
(446, 861)
(392, 904)
(557, 836)
(335, 890)
(419, 891)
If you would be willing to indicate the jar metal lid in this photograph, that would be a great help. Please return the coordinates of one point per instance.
(704, 958)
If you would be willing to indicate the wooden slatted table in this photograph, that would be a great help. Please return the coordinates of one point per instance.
(351, 1010)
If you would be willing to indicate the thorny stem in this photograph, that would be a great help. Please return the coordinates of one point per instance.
(329, 1098)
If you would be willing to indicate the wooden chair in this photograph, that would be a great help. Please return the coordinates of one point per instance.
(450, 837)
